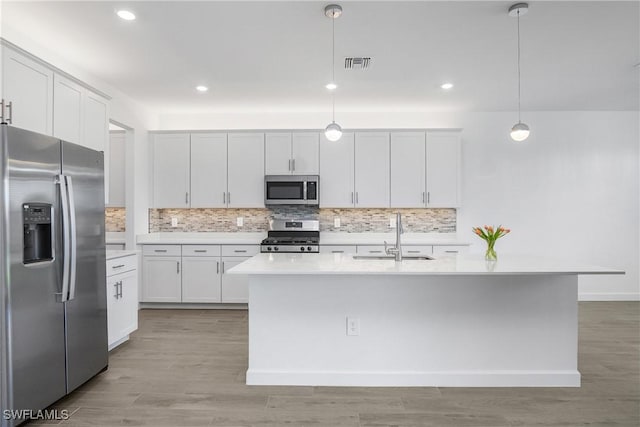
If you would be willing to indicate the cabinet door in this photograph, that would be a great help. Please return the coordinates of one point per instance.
(67, 109)
(117, 156)
(277, 154)
(305, 153)
(28, 85)
(372, 169)
(246, 170)
(200, 279)
(113, 309)
(162, 279)
(443, 169)
(235, 288)
(171, 171)
(408, 170)
(96, 122)
(208, 170)
(122, 306)
(336, 172)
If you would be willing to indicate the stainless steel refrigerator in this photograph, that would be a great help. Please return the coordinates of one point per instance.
(53, 295)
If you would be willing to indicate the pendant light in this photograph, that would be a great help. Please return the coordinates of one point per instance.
(519, 131)
(333, 131)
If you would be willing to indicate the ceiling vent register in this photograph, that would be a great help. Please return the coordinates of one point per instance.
(357, 63)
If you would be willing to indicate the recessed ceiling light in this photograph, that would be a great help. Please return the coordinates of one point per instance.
(126, 15)
(331, 86)
(202, 88)
(446, 85)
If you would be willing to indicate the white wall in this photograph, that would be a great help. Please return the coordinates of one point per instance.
(570, 191)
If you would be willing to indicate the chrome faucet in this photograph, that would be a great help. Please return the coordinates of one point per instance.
(397, 249)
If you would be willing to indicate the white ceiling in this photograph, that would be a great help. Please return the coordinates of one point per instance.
(275, 56)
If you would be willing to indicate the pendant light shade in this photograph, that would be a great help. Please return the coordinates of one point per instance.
(519, 131)
(333, 131)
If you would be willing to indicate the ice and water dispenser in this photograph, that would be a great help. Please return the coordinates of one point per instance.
(37, 232)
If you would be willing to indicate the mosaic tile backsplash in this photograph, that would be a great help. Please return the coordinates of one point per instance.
(351, 220)
(114, 219)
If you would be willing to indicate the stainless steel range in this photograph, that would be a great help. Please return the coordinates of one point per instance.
(292, 235)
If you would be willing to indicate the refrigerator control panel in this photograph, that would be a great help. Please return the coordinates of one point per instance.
(37, 232)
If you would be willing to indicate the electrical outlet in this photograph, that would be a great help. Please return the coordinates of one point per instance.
(353, 326)
(392, 221)
(174, 222)
(239, 221)
(336, 222)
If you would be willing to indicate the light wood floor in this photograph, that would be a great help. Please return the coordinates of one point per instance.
(186, 368)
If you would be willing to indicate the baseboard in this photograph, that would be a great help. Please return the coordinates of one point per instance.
(608, 296)
(192, 306)
(417, 379)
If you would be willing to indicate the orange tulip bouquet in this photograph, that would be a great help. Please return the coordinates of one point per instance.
(490, 236)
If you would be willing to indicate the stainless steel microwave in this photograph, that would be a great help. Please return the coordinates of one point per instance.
(291, 190)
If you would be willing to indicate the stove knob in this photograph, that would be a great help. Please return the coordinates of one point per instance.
(276, 248)
(302, 248)
(268, 248)
(309, 248)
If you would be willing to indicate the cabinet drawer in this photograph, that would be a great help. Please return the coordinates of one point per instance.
(337, 249)
(200, 250)
(371, 249)
(450, 250)
(121, 265)
(240, 250)
(162, 250)
(417, 250)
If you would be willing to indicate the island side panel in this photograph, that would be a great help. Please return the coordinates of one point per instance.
(414, 330)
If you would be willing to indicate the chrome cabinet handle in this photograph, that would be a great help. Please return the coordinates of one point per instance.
(337, 252)
(178, 267)
(240, 251)
(423, 197)
(2, 110)
(451, 252)
(413, 252)
(293, 165)
(357, 198)
(117, 266)
(222, 267)
(224, 197)
(10, 108)
(115, 285)
(352, 197)
(120, 289)
(428, 197)
(160, 250)
(217, 267)
(229, 197)
(200, 251)
(375, 252)
(289, 165)
(186, 198)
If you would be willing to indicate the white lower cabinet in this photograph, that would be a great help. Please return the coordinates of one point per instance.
(372, 249)
(122, 299)
(162, 279)
(200, 279)
(195, 273)
(450, 250)
(235, 288)
(337, 249)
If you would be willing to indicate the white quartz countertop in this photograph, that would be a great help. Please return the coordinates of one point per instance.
(120, 254)
(326, 238)
(114, 238)
(345, 264)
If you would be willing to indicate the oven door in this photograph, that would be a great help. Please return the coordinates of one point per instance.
(290, 190)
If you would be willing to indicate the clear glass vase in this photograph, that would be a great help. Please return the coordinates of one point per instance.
(490, 254)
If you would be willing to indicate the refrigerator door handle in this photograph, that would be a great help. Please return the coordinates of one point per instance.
(73, 239)
(66, 245)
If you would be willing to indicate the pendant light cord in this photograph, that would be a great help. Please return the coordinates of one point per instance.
(333, 64)
(519, 66)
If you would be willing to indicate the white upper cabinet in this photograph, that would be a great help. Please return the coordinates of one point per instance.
(171, 170)
(117, 168)
(245, 175)
(28, 85)
(277, 154)
(305, 153)
(209, 170)
(287, 153)
(68, 98)
(443, 169)
(96, 123)
(408, 170)
(336, 172)
(372, 169)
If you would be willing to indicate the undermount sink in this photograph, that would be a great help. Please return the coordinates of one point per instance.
(392, 257)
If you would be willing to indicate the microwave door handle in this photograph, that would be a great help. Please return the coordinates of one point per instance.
(304, 190)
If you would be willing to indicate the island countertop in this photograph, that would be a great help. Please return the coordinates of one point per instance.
(345, 264)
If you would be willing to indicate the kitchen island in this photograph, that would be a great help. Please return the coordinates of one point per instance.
(332, 320)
